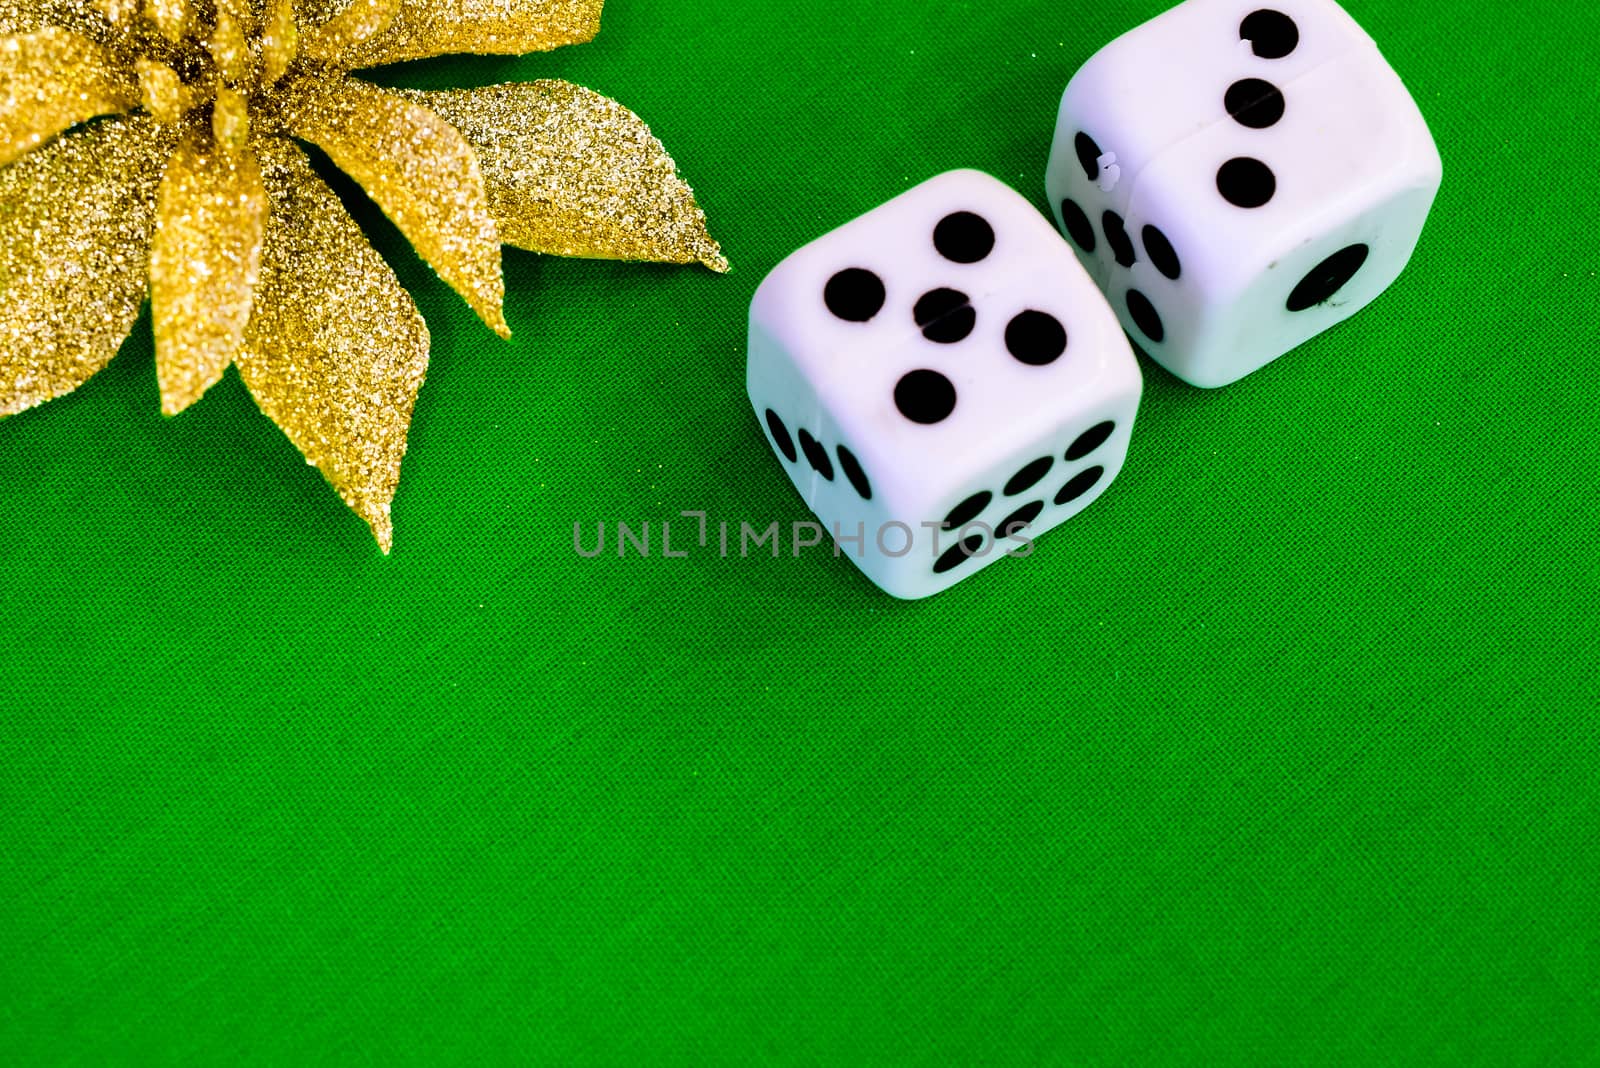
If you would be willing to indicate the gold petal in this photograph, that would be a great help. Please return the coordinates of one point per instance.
(31, 16)
(573, 173)
(230, 120)
(280, 40)
(360, 22)
(335, 351)
(75, 222)
(489, 27)
(161, 91)
(229, 49)
(421, 172)
(52, 80)
(117, 12)
(172, 17)
(204, 261)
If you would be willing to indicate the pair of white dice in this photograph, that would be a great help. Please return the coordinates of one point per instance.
(942, 378)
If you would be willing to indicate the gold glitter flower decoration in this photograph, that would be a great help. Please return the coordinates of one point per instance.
(152, 142)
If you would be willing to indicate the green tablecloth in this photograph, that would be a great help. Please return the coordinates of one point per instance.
(1285, 751)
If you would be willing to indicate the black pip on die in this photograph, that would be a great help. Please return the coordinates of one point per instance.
(1239, 177)
(938, 374)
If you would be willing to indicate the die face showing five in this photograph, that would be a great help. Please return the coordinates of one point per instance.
(1295, 206)
(1232, 179)
(944, 350)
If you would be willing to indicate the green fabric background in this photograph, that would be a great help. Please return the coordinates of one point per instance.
(1285, 751)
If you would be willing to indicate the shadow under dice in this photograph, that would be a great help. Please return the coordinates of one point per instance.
(942, 382)
(1238, 178)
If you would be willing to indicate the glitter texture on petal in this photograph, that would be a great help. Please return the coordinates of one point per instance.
(361, 21)
(31, 16)
(421, 172)
(204, 260)
(52, 80)
(573, 173)
(75, 223)
(174, 18)
(335, 351)
(426, 28)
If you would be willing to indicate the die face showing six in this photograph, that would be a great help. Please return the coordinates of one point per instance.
(944, 342)
(1297, 205)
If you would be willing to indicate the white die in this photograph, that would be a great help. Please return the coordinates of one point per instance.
(1239, 178)
(942, 360)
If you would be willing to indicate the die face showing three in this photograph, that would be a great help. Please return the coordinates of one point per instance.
(1165, 81)
(1272, 177)
(942, 358)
